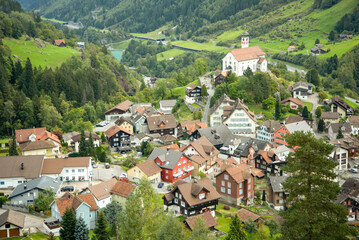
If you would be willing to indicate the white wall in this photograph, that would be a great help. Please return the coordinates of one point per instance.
(241, 124)
(239, 67)
(12, 182)
(103, 202)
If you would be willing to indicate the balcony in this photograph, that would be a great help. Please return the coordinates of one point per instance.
(189, 169)
(178, 174)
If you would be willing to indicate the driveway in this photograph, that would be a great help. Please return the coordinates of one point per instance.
(314, 99)
(102, 174)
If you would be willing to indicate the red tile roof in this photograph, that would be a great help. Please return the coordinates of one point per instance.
(172, 147)
(124, 106)
(239, 173)
(207, 217)
(123, 189)
(59, 41)
(71, 201)
(244, 215)
(22, 135)
(89, 199)
(115, 129)
(294, 100)
(244, 54)
(47, 135)
(149, 168)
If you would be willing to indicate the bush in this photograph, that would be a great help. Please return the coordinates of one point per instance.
(228, 215)
(226, 207)
(74, 154)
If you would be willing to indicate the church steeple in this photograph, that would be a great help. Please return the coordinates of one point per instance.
(245, 39)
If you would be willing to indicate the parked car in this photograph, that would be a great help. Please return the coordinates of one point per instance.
(169, 187)
(160, 185)
(352, 170)
(67, 189)
(107, 165)
(356, 101)
(124, 175)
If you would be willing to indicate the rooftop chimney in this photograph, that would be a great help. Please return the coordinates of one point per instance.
(25, 186)
(22, 166)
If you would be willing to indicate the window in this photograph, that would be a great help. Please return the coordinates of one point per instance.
(179, 164)
(249, 194)
(176, 194)
(229, 191)
(225, 177)
(184, 161)
(166, 171)
(229, 184)
(7, 225)
(90, 215)
(249, 180)
(192, 213)
(166, 177)
(249, 187)
(223, 189)
(240, 185)
(280, 194)
(223, 183)
(240, 192)
(183, 204)
(185, 212)
(201, 196)
(19, 181)
(176, 200)
(67, 171)
(82, 215)
(73, 170)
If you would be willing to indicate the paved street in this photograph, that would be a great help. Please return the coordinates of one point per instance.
(102, 174)
(352, 100)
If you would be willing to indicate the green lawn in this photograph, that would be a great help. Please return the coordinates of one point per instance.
(34, 236)
(48, 56)
(169, 53)
(198, 46)
(4, 140)
(154, 34)
(309, 106)
(52, 20)
(180, 91)
(120, 45)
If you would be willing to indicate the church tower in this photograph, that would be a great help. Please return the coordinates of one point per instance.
(245, 39)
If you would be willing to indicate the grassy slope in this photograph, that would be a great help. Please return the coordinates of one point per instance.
(120, 45)
(198, 46)
(52, 56)
(179, 91)
(170, 53)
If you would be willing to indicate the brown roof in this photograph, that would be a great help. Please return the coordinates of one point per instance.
(11, 166)
(261, 59)
(331, 115)
(239, 104)
(168, 138)
(239, 173)
(77, 137)
(244, 215)
(168, 121)
(22, 135)
(226, 163)
(266, 155)
(197, 159)
(244, 54)
(342, 104)
(124, 106)
(102, 190)
(353, 120)
(36, 145)
(186, 188)
(190, 88)
(207, 217)
(55, 166)
(294, 100)
(171, 147)
(191, 126)
(59, 41)
(293, 119)
(115, 129)
(13, 217)
(149, 168)
(272, 125)
(204, 148)
(47, 135)
(88, 198)
(123, 189)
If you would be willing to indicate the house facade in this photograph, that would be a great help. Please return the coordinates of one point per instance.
(148, 169)
(294, 103)
(101, 192)
(354, 123)
(236, 185)
(330, 117)
(162, 124)
(340, 106)
(266, 130)
(333, 130)
(341, 157)
(40, 147)
(125, 123)
(193, 94)
(11, 224)
(74, 140)
(301, 90)
(118, 138)
(121, 191)
(276, 195)
(166, 106)
(121, 109)
(190, 199)
(289, 129)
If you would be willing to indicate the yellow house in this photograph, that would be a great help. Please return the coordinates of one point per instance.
(330, 117)
(39, 147)
(148, 169)
(121, 191)
(125, 123)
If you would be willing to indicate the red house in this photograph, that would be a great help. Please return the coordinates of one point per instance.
(279, 135)
(174, 164)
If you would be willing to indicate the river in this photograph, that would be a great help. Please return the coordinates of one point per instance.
(117, 54)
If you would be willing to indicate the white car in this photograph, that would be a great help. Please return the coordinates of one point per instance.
(124, 175)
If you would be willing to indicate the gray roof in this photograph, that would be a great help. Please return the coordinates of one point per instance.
(276, 183)
(68, 136)
(168, 157)
(168, 103)
(13, 217)
(272, 125)
(302, 84)
(346, 128)
(28, 167)
(41, 183)
(298, 126)
(217, 135)
(330, 115)
(247, 143)
(280, 149)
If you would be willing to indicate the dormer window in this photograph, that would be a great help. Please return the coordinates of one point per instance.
(202, 196)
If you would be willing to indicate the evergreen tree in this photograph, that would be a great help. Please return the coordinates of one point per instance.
(264, 195)
(236, 231)
(305, 112)
(250, 226)
(91, 148)
(312, 76)
(318, 112)
(340, 133)
(331, 36)
(12, 150)
(83, 150)
(112, 212)
(81, 230)
(68, 225)
(51, 236)
(273, 226)
(101, 231)
(312, 213)
(321, 125)
(317, 41)
(204, 92)
(277, 110)
(103, 138)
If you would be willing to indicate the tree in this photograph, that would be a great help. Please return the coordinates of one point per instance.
(91, 148)
(200, 230)
(317, 41)
(331, 36)
(68, 225)
(101, 231)
(236, 231)
(269, 103)
(264, 195)
(273, 226)
(321, 125)
(312, 213)
(83, 150)
(312, 76)
(318, 112)
(44, 199)
(112, 213)
(250, 226)
(81, 230)
(278, 111)
(172, 229)
(51, 236)
(340, 133)
(204, 92)
(305, 112)
(103, 138)
(13, 150)
(263, 232)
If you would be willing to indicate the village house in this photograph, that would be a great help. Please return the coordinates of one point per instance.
(121, 191)
(207, 218)
(289, 129)
(101, 192)
(40, 147)
(222, 164)
(139, 118)
(276, 195)
(35, 134)
(167, 139)
(118, 139)
(121, 109)
(330, 117)
(126, 123)
(264, 160)
(340, 156)
(174, 164)
(73, 139)
(206, 80)
(147, 169)
(238, 60)
(166, 106)
(248, 149)
(171, 147)
(66, 169)
(219, 77)
(266, 130)
(345, 36)
(281, 152)
(11, 224)
(236, 185)
(294, 103)
(348, 197)
(60, 43)
(162, 124)
(339, 105)
(202, 153)
(15, 170)
(301, 90)
(189, 126)
(350, 143)
(317, 51)
(244, 215)
(192, 198)
(235, 114)
(291, 48)
(26, 193)
(193, 93)
(294, 119)
(84, 206)
(333, 130)
(354, 123)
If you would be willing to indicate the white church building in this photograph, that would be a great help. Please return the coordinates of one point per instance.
(238, 60)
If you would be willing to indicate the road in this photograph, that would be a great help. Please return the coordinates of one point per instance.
(103, 174)
(314, 99)
(206, 108)
(352, 100)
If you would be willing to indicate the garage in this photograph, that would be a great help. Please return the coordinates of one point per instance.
(3, 233)
(11, 224)
(14, 232)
